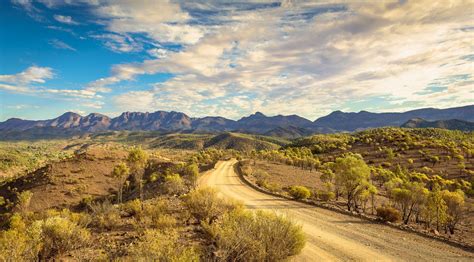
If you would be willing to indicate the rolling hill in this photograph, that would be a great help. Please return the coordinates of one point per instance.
(451, 124)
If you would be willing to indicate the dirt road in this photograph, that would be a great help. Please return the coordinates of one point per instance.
(333, 236)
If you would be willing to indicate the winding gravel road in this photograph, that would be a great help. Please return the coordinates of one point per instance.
(333, 236)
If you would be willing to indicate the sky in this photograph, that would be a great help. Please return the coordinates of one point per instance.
(228, 58)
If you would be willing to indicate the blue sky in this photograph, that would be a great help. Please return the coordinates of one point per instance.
(232, 59)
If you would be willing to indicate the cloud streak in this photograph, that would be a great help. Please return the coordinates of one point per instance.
(58, 44)
(65, 19)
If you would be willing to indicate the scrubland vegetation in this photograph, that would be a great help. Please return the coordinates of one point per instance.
(111, 200)
(155, 211)
(418, 177)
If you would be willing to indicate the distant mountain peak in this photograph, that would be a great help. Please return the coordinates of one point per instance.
(257, 123)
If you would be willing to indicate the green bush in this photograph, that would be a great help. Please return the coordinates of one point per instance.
(20, 243)
(105, 215)
(132, 207)
(155, 245)
(205, 204)
(41, 239)
(388, 214)
(60, 235)
(326, 195)
(153, 213)
(261, 236)
(174, 184)
(300, 192)
(23, 201)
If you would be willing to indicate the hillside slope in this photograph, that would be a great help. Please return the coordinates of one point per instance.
(451, 124)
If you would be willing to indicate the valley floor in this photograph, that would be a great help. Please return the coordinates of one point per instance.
(334, 236)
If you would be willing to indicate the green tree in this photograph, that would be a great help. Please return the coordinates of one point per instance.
(121, 172)
(436, 209)
(352, 173)
(138, 159)
(409, 198)
(455, 208)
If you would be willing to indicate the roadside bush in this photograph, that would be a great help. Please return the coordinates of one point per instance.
(300, 192)
(326, 195)
(205, 204)
(261, 236)
(261, 178)
(388, 214)
(273, 187)
(158, 246)
(60, 235)
(105, 215)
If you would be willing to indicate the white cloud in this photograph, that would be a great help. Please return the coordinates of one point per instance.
(388, 51)
(33, 74)
(58, 44)
(162, 21)
(306, 58)
(119, 43)
(65, 19)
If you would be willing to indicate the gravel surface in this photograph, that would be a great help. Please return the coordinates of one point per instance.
(333, 236)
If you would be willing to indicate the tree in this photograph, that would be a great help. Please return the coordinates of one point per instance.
(409, 198)
(455, 205)
(121, 172)
(138, 159)
(352, 173)
(436, 207)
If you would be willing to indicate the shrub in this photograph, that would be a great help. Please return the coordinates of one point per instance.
(105, 215)
(158, 246)
(273, 187)
(23, 201)
(204, 204)
(40, 240)
(261, 178)
(388, 214)
(261, 236)
(174, 184)
(326, 195)
(81, 219)
(60, 235)
(153, 214)
(300, 192)
(132, 207)
(20, 243)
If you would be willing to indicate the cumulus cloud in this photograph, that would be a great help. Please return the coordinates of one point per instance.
(65, 19)
(313, 58)
(33, 74)
(163, 21)
(294, 57)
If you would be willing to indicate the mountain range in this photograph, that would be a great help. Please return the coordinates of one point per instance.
(289, 126)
